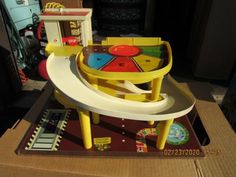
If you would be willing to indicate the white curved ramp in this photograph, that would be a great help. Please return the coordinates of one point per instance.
(64, 74)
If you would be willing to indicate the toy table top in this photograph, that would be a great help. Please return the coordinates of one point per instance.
(125, 58)
(137, 64)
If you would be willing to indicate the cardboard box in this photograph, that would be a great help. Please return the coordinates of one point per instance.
(220, 157)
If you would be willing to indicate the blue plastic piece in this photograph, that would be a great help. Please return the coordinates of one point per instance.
(98, 60)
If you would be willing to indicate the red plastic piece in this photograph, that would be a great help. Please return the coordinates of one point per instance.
(43, 70)
(23, 77)
(121, 64)
(124, 50)
(71, 40)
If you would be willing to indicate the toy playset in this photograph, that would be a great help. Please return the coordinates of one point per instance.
(121, 84)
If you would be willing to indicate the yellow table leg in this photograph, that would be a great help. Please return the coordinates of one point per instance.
(94, 82)
(84, 120)
(156, 88)
(85, 128)
(96, 118)
(151, 122)
(61, 99)
(164, 131)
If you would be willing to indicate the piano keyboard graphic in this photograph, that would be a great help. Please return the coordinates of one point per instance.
(47, 135)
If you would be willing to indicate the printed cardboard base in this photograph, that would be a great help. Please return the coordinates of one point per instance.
(57, 131)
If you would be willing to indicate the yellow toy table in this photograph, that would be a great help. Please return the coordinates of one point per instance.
(143, 60)
(103, 80)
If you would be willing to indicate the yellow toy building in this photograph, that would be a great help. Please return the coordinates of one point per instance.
(105, 78)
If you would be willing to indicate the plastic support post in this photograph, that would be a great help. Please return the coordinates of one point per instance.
(151, 122)
(164, 131)
(156, 88)
(94, 83)
(85, 128)
(61, 99)
(96, 118)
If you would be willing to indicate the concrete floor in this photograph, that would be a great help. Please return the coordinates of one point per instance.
(33, 84)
